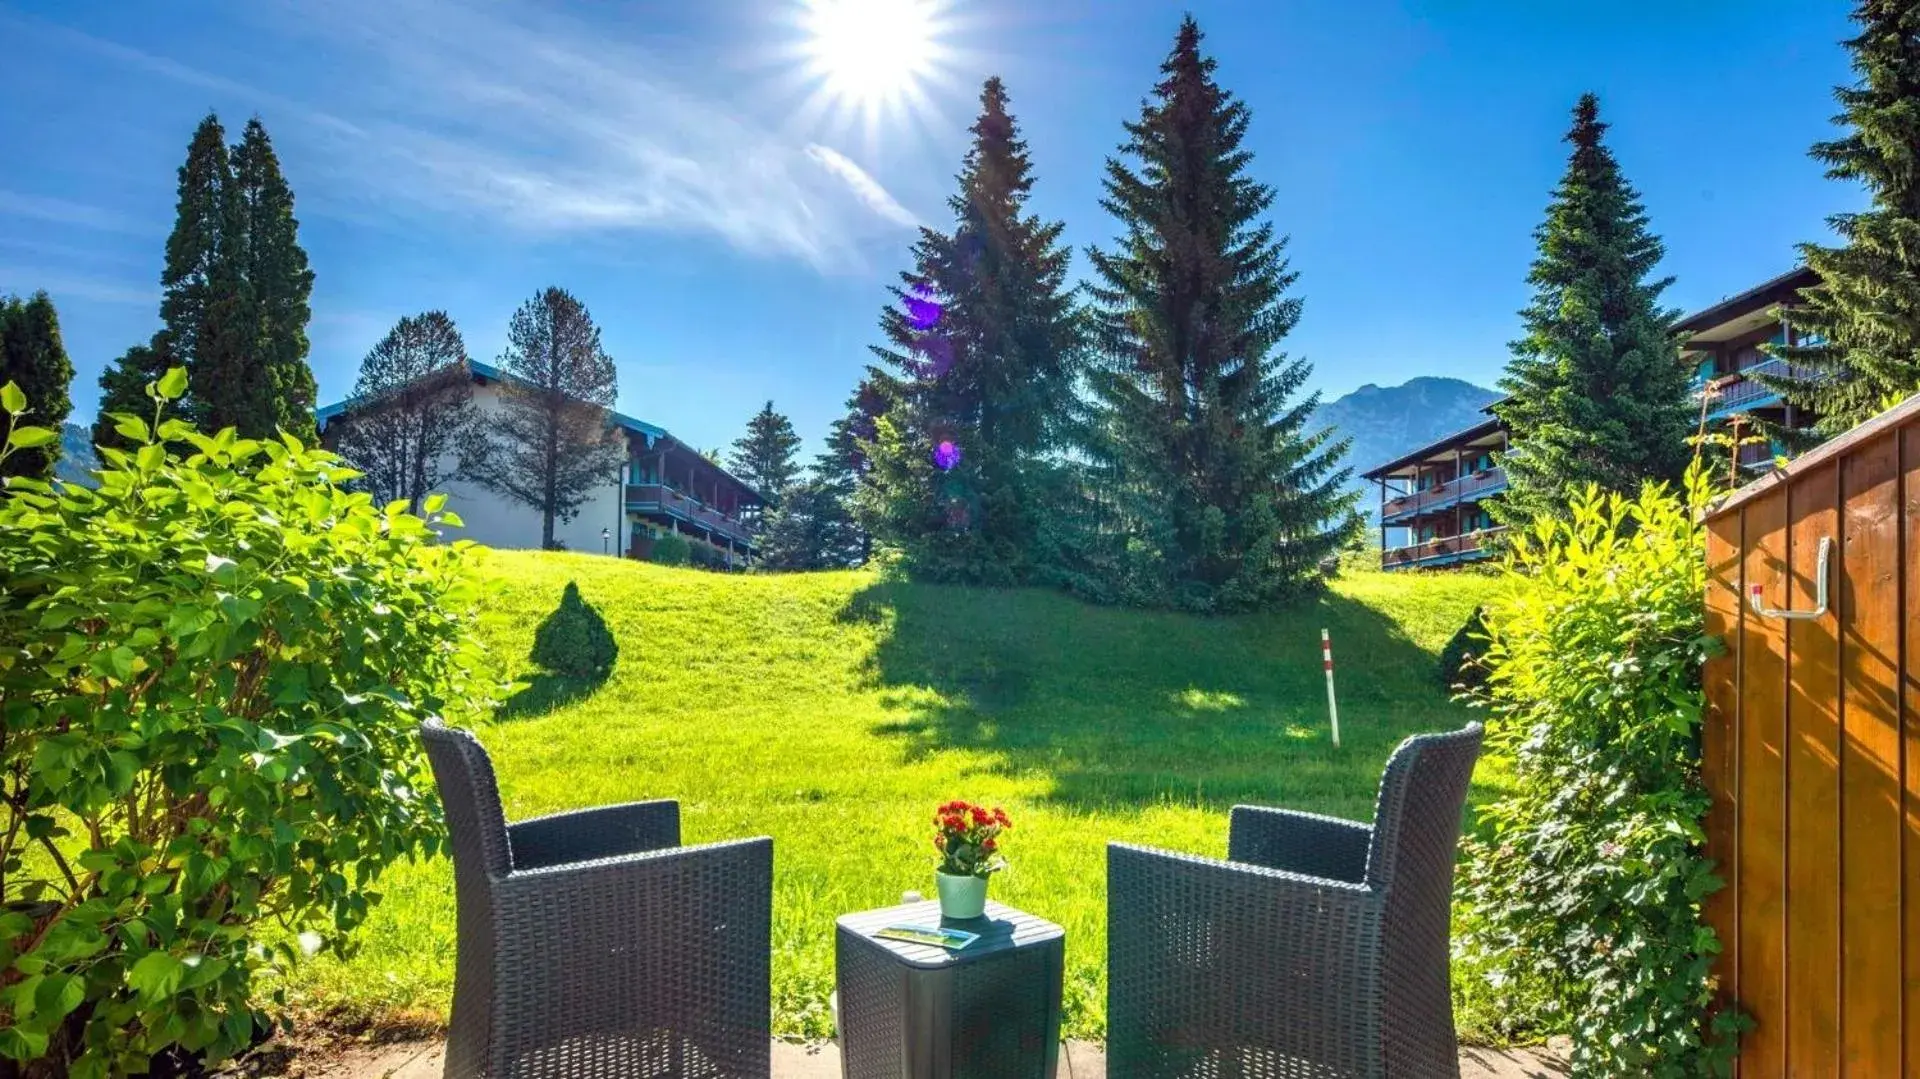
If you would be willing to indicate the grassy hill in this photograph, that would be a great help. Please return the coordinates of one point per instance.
(833, 712)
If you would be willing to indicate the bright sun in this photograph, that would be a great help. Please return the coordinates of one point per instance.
(873, 56)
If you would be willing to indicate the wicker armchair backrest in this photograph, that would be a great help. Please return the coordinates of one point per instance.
(476, 824)
(1416, 823)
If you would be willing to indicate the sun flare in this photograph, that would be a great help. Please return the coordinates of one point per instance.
(873, 56)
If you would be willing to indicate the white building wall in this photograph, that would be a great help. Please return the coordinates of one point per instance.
(496, 520)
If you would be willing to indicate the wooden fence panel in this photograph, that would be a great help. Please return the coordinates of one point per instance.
(1813, 786)
(1812, 754)
(1763, 815)
(1870, 762)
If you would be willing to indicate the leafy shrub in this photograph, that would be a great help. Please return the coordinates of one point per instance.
(1582, 892)
(671, 550)
(1459, 666)
(574, 640)
(211, 668)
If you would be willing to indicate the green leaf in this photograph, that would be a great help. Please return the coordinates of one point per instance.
(155, 976)
(26, 438)
(172, 385)
(12, 399)
(434, 503)
(22, 1043)
(132, 428)
(58, 994)
(452, 520)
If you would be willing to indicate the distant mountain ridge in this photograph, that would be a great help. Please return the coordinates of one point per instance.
(78, 458)
(1385, 422)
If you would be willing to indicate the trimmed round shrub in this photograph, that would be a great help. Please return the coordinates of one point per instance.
(1460, 666)
(672, 550)
(574, 640)
(212, 668)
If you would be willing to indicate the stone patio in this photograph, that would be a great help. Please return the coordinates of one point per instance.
(1079, 1060)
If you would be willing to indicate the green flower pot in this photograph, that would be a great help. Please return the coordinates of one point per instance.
(961, 897)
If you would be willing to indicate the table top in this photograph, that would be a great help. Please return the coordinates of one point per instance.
(1001, 929)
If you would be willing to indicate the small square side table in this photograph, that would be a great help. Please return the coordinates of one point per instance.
(916, 1011)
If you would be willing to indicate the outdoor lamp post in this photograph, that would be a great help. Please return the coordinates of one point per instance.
(605, 538)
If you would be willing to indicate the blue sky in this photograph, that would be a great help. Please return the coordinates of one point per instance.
(674, 165)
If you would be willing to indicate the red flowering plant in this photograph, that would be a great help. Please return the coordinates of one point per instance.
(969, 839)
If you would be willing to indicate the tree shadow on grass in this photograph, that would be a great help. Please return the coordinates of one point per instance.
(1120, 707)
(573, 652)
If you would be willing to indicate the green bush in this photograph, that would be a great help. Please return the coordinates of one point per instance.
(211, 668)
(671, 550)
(574, 640)
(1459, 666)
(1581, 897)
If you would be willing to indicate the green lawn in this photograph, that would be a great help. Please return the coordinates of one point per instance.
(833, 713)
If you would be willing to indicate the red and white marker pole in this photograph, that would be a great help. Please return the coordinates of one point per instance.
(1333, 707)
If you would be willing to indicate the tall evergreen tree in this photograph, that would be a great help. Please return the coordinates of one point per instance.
(413, 408)
(1596, 391)
(278, 281)
(123, 387)
(1865, 313)
(764, 457)
(550, 444)
(206, 302)
(33, 357)
(1216, 494)
(235, 287)
(983, 351)
(810, 529)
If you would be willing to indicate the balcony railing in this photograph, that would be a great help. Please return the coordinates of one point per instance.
(1469, 488)
(1446, 550)
(1740, 391)
(654, 496)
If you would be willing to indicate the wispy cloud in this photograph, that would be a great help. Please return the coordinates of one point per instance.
(862, 184)
(509, 114)
(64, 212)
(15, 279)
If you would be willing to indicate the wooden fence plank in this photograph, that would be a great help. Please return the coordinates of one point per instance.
(1870, 1025)
(1762, 827)
(1720, 743)
(1812, 792)
(1910, 724)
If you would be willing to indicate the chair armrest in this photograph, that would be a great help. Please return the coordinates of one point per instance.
(589, 834)
(1304, 843)
(1197, 946)
(682, 937)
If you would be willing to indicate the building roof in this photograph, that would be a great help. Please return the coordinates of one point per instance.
(650, 435)
(1731, 313)
(1490, 425)
(481, 370)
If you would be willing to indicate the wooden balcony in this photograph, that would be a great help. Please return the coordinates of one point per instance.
(1444, 551)
(1471, 487)
(661, 499)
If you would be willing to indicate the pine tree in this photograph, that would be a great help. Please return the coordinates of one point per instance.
(1865, 313)
(811, 529)
(206, 303)
(123, 388)
(1596, 391)
(33, 357)
(1216, 495)
(550, 445)
(235, 288)
(842, 467)
(278, 281)
(983, 350)
(763, 458)
(413, 407)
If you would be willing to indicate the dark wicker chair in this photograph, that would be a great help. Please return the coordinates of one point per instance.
(1319, 949)
(593, 944)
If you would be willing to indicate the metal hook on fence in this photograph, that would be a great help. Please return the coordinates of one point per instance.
(1819, 594)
